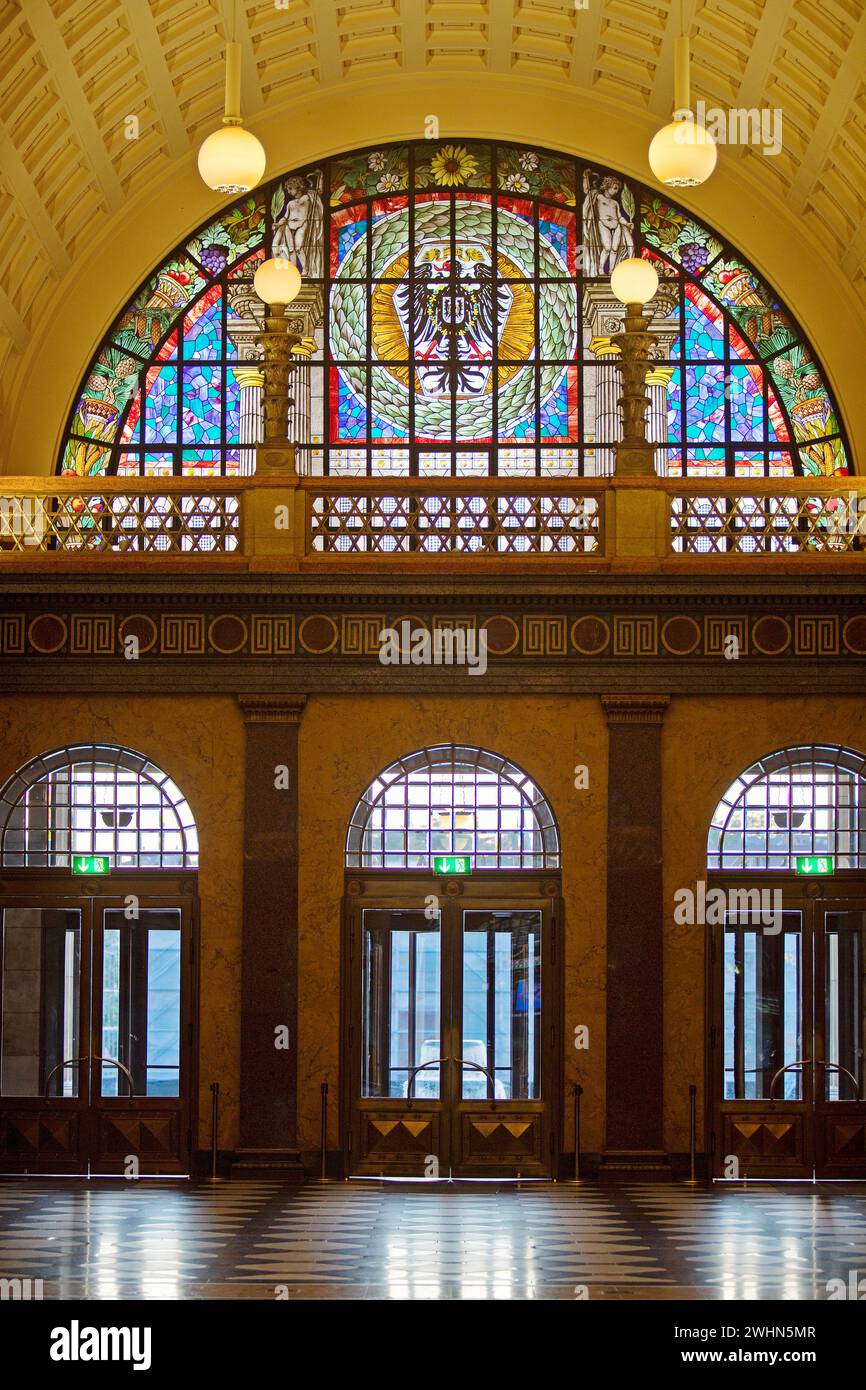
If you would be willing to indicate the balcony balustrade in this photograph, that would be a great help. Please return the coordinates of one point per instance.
(284, 520)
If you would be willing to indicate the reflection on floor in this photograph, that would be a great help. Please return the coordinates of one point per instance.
(371, 1240)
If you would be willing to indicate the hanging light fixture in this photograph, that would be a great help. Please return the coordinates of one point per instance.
(682, 154)
(232, 160)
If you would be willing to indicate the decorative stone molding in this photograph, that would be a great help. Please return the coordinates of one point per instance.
(272, 709)
(635, 709)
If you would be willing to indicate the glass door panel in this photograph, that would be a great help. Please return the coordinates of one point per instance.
(501, 1005)
(401, 1003)
(793, 1013)
(763, 1009)
(141, 1003)
(445, 1030)
(40, 1041)
(844, 1005)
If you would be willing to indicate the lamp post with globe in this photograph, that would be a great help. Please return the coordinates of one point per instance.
(634, 282)
(277, 282)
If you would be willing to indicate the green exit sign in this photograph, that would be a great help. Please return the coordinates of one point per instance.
(814, 864)
(452, 864)
(90, 864)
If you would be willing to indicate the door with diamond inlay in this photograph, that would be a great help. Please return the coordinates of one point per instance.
(786, 1046)
(96, 1055)
(450, 1026)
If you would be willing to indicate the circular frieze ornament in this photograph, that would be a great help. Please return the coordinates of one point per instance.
(47, 633)
(227, 634)
(590, 635)
(680, 635)
(141, 627)
(854, 634)
(771, 635)
(503, 634)
(318, 634)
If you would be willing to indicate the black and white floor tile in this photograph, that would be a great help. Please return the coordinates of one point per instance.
(392, 1241)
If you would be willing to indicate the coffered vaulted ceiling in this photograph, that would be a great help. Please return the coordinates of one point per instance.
(71, 71)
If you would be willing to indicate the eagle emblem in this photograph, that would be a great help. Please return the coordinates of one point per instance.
(454, 312)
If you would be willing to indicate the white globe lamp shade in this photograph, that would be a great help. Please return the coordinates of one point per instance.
(277, 281)
(231, 160)
(634, 281)
(683, 154)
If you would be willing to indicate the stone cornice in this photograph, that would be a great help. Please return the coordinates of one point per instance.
(635, 709)
(272, 709)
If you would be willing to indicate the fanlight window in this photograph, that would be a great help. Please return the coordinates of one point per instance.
(95, 799)
(455, 321)
(452, 800)
(798, 801)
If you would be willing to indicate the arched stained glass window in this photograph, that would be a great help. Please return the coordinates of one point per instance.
(456, 320)
(798, 801)
(452, 800)
(95, 799)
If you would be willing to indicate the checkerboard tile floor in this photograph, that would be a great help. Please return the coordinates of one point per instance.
(381, 1240)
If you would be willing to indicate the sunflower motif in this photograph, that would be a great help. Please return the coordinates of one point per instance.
(453, 165)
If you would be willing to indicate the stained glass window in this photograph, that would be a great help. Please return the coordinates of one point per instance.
(452, 800)
(95, 799)
(456, 319)
(798, 801)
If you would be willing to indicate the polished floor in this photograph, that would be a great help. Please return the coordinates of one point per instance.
(370, 1240)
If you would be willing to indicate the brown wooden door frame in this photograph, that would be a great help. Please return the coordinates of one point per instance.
(73, 1135)
(447, 1126)
(791, 1139)
(840, 1125)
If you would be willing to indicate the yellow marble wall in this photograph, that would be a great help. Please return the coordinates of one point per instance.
(199, 743)
(705, 744)
(343, 744)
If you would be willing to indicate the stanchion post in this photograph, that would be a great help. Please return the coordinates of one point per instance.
(693, 1136)
(214, 1127)
(324, 1172)
(578, 1092)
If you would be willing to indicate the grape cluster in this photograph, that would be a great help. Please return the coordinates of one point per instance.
(693, 256)
(213, 258)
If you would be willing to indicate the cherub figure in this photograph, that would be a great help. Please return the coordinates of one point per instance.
(298, 230)
(607, 231)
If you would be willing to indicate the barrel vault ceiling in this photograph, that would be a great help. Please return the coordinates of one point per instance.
(72, 70)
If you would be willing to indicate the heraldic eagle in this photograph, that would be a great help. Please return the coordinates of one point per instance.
(454, 318)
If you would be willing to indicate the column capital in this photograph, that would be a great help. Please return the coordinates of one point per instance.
(635, 709)
(272, 709)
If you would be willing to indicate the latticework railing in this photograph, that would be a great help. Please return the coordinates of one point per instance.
(331, 522)
(182, 523)
(476, 523)
(768, 523)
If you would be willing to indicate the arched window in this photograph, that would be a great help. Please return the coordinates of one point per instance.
(809, 800)
(455, 320)
(95, 799)
(457, 801)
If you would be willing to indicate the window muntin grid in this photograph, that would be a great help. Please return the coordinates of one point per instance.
(95, 799)
(175, 387)
(808, 800)
(452, 800)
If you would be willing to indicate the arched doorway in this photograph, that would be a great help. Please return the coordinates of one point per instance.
(787, 963)
(98, 852)
(452, 965)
